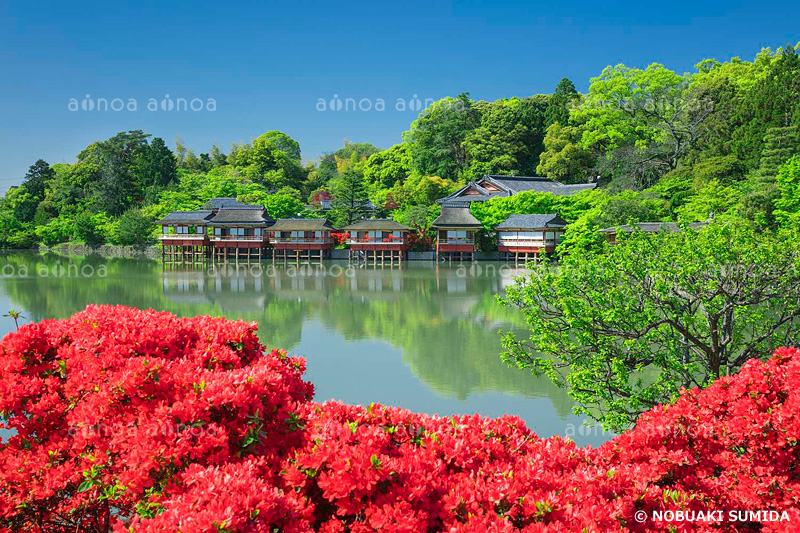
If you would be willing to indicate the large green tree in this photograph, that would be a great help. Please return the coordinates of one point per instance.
(624, 329)
(436, 138)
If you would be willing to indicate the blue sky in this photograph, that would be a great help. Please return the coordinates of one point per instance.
(266, 64)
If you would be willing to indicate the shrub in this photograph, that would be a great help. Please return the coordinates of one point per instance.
(141, 421)
(133, 229)
(89, 228)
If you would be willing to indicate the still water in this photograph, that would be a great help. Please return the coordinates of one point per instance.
(420, 337)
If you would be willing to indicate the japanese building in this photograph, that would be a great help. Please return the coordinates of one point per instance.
(377, 240)
(529, 237)
(455, 232)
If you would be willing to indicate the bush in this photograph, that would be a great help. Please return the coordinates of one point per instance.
(133, 228)
(142, 421)
(89, 228)
(57, 231)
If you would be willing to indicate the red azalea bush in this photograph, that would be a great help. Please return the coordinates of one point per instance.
(138, 420)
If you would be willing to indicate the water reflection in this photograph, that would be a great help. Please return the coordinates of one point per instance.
(421, 337)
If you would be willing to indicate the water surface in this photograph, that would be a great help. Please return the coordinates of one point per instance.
(422, 337)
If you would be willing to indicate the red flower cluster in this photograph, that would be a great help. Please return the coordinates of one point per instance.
(340, 238)
(138, 420)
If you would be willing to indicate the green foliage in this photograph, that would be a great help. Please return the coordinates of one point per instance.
(626, 328)
(383, 169)
(133, 228)
(58, 230)
(787, 205)
(563, 158)
(350, 198)
(436, 138)
(89, 228)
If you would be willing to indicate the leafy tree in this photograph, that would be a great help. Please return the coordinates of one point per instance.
(274, 161)
(436, 138)
(349, 198)
(37, 178)
(647, 120)
(218, 158)
(626, 328)
(89, 228)
(56, 231)
(508, 139)
(118, 188)
(564, 158)
(384, 169)
(133, 228)
(155, 165)
(180, 152)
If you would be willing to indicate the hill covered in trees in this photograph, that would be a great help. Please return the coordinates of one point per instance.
(663, 145)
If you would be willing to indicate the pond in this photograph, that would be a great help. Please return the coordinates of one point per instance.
(422, 337)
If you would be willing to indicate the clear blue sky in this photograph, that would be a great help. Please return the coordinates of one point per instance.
(266, 64)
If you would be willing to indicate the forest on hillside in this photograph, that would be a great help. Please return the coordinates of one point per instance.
(722, 139)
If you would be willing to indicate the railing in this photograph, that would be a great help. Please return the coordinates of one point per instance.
(248, 238)
(185, 236)
(375, 241)
(302, 240)
(457, 241)
(526, 242)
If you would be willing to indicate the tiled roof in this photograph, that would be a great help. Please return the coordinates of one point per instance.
(378, 224)
(302, 224)
(456, 215)
(239, 215)
(186, 217)
(549, 220)
(511, 185)
(219, 203)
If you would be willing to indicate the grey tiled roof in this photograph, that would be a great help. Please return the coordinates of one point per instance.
(219, 203)
(378, 224)
(549, 220)
(302, 224)
(511, 185)
(186, 217)
(237, 215)
(456, 215)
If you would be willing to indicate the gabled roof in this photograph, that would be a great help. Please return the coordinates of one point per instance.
(526, 222)
(478, 191)
(186, 217)
(651, 227)
(219, 203)
(376, 224)
(250, 216)
(456, 215)
(302, 224)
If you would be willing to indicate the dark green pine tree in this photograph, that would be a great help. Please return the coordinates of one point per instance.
(780, 144)
(349, 198)
(155, 165)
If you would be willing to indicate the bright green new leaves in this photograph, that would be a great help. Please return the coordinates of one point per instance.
(626, 328)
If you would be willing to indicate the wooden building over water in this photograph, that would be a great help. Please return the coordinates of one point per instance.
(300, 239)
(377, 240)
(529, 237)
(455, 232)
(240, 232)
(184, 236)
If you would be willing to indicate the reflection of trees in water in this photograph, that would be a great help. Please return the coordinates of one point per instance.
(445, 322)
